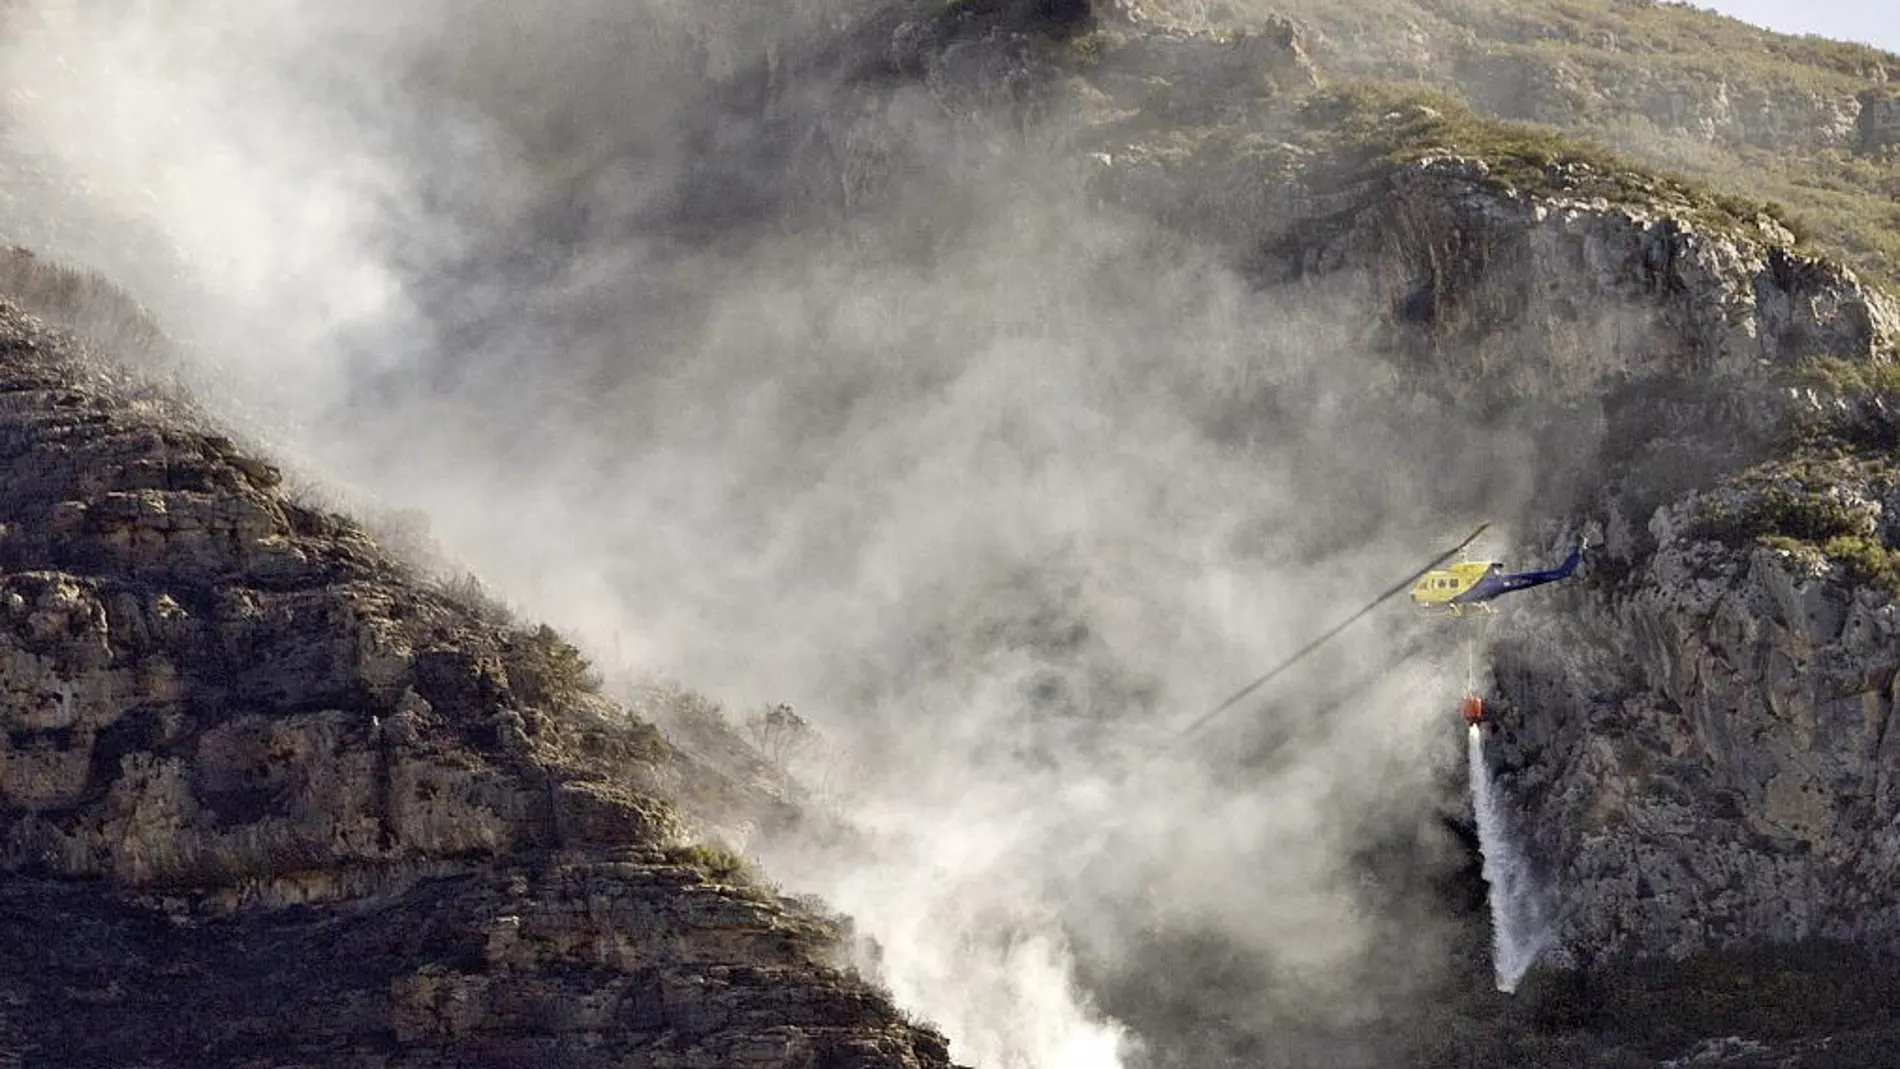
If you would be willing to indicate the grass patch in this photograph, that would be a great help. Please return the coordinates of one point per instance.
(1374, 125)
(1849, 377)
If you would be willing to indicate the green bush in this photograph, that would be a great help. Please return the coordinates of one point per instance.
(545, 670)
(1867, 562)
(1808, 515)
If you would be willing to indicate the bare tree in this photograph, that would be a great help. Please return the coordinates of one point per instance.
(779, 734)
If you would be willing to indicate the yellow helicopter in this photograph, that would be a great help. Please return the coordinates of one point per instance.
(1470, 586)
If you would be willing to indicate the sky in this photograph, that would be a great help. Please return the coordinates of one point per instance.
(1875, 22)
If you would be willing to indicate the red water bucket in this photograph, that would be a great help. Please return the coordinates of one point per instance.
(1474, 709)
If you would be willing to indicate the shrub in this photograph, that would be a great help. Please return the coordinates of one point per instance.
(1849, 377)
(1089, 48)
(1809, 515)
(545, 670)
(1867, 561)
(717, 863)
(469, 592)
(779, 734)
(82, 302)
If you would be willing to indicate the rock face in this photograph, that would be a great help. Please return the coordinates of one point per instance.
(264, 796)
(1695, 737)
(1545, 297)
(1700, 742)
(1685, 74)
(1684, 90)
(1719, 774)
(1684, 103)
(1878, 124)
(1699, 738)
(1717, 771)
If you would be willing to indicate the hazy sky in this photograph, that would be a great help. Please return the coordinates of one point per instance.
(1876, 22)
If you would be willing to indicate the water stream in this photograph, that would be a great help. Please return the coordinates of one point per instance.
(1517, 932)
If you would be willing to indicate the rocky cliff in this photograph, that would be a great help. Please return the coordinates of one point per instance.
(269, 799)
(1702, 744)
(1698, 738)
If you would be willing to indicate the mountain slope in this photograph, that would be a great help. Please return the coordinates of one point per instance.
(1810, 123)
(267, 797)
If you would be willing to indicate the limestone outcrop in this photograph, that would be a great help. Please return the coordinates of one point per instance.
(1546, 296)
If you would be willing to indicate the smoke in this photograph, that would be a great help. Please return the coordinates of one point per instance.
(1518, 931)
(802, 386)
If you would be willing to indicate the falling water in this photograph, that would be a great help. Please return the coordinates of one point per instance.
(1517, 935)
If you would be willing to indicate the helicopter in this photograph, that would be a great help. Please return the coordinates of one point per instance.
(1470, 586)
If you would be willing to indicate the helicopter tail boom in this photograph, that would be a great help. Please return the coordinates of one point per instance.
(1494, 585)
